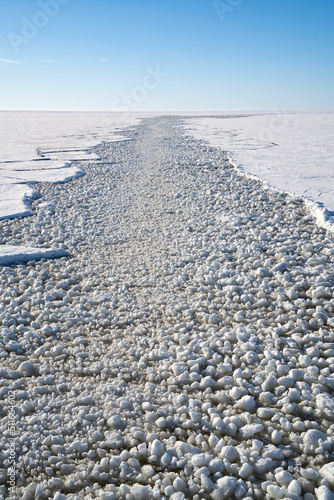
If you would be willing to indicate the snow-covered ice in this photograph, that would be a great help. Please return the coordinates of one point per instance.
(10, 254)
(291, 151)
(15, 200)
(23, 132)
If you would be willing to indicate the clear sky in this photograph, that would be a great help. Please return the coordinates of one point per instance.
(166, 55)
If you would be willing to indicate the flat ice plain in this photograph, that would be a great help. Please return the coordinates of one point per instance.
(291, 151)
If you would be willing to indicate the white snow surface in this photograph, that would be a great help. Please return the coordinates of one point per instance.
(10, 254)
(39, 147)
(291, 151)
(15, 200)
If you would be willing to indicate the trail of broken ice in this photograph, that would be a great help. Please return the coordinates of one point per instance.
(185, 350)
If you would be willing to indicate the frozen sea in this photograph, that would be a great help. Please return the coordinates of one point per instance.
(180, 346)
(290, 151)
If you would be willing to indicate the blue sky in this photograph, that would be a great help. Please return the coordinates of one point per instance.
(176, 55)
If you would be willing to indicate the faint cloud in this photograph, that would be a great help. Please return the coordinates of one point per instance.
(10, 61)
(54, 60)
(104, 60)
